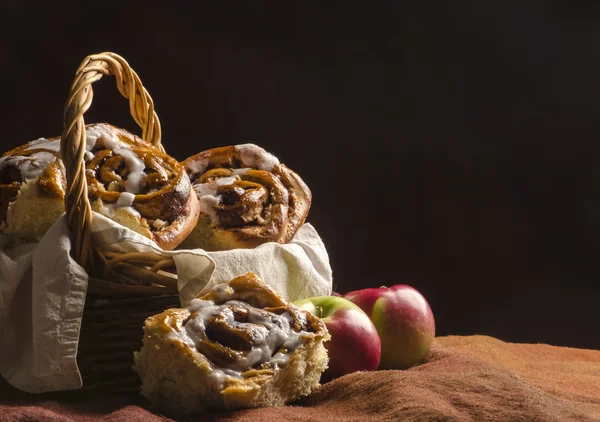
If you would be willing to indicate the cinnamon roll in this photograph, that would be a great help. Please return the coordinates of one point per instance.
(129, 181)
(241, 345)
(32, 189)
(247, 197)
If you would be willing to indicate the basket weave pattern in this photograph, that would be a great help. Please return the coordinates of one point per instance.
(112, 327)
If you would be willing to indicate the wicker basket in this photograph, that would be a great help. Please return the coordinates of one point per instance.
(124, 288)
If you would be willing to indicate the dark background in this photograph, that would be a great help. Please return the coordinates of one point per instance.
(453, 147)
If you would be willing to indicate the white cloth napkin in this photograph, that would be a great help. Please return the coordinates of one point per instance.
(296, 270)
(42, 292)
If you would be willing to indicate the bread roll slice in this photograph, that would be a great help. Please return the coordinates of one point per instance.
(239, 346)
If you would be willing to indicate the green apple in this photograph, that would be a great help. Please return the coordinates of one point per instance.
(355, 344)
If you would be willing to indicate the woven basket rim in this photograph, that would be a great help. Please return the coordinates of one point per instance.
(148, 279)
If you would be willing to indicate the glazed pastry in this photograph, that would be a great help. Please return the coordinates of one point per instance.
(128, 180)
(241, 345)
(247, 197)
(32, 190)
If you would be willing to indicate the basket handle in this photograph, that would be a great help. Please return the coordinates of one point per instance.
(73, 143)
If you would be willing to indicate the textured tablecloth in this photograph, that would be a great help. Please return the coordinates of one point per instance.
(466, 378)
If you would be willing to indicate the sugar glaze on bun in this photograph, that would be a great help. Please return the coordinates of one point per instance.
(129, 181)
(247, 198)
(241, 345)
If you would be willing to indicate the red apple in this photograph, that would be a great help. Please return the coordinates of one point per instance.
(404, 322)
(354, 344)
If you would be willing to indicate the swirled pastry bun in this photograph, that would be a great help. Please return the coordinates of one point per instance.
(241, 345)
(129, 181)
(139, 186)
(32, 190)
(247, 198)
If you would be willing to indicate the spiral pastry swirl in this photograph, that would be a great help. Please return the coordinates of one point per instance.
(247, 197)
(129, 181)
(32, 173)
(240, 345)
(139, 186)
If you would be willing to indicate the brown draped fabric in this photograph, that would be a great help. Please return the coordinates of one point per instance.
(466, 378)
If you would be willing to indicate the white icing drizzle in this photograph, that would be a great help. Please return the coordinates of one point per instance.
(207, 204)
(254, 156)
(198, 304)
(40, 159)
(273, 333)
(198, 166)
(226, 181)
(277, 336)
(270, 331)
(218, 376)
(30, 166)
(125, 199)
(223, 291)
(92, 134)
(43, 143)
(33, 165)
(240, 171)
(136, 177)
(208, 198)
(204, 189)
